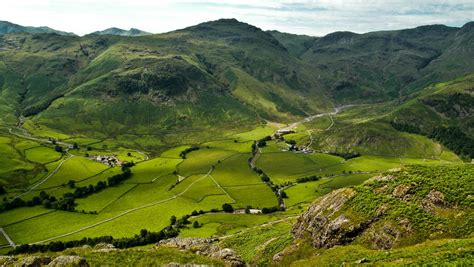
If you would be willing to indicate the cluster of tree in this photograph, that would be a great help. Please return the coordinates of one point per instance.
(291, 142)
(271, 210)
(58, 149)
(454, 139)
(188, 150)
(262, 175)
(263, 142)
(144, 238)
(308, 179)
(451, 137)
(50, 202)
(403, 127)
(67, 202)
(118, 178)
(227, 208)
(346, 155)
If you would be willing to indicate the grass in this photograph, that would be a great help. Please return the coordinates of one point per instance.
(257, 246)
(42, 154)
(11, 160)
(16, 215)
(452, 252)
(235, 171)
(149, 170)
(200, 161)
(285, 166)
(202, 187)
(141, 256)
(97, 202)
(308, 192)
(255, 134)
(246, 196)
(75, 168)
(222, 224)
(241, 147)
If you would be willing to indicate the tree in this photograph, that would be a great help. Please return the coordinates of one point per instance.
(143, 232)
(2, 190)
(75, 146)
(129, 154)
(173, 220)
(71, 184)
(283, 194)
(261, 143)
(58, 149)
(227, 207)
(196, 224)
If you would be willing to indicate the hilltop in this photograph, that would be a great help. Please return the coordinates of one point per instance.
(9, 28)
(121, 32)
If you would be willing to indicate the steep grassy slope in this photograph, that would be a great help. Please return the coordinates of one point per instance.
(383, 65)
(220, 74)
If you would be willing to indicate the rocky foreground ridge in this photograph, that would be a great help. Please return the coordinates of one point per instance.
(392, 210)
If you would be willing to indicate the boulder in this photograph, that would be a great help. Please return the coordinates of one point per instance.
(401, 191)
(32, 261)
(433, 199)
(229, 256)
(206, 247)
(69, 261)
(7, 260)
(104, 247)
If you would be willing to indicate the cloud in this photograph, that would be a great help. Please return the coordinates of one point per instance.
(317, 17)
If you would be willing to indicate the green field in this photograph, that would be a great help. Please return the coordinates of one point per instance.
(42, 154)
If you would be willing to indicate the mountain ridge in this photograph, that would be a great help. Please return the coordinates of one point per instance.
(7, 27)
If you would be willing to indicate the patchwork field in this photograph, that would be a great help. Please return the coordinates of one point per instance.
(179, 181)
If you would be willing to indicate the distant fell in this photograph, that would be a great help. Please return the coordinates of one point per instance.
(8, 27)
(122, 32)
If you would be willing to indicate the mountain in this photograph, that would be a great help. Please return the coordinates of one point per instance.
(8, 28)
(222, 73)
(121, 32)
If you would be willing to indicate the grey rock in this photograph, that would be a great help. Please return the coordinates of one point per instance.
(69, 261)
(7, 260)
(32, 261)
(206, 247)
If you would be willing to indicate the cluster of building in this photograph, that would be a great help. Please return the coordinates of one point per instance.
(111, 161)
(299, 149)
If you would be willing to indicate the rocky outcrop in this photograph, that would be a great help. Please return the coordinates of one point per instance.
(38, 261)
(103, 247)
(6, 260)
(320, 224)
(69, 261)
(432, 200)
(206, 247)
(32, 261)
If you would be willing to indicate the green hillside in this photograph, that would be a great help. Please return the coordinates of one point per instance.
(227, 133)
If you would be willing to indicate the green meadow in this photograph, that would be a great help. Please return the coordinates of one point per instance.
(166, 184)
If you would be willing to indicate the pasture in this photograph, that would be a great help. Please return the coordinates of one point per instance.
(168, 185)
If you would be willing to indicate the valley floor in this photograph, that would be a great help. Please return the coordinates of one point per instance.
(266, 169)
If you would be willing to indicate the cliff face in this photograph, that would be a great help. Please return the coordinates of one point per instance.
(393, 210)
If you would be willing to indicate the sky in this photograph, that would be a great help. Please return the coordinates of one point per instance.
(316, 18)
